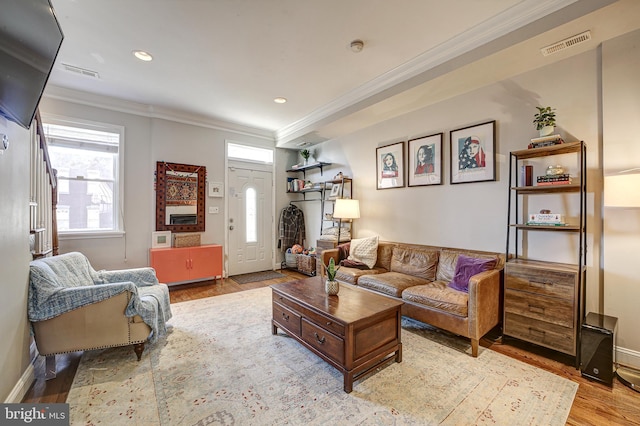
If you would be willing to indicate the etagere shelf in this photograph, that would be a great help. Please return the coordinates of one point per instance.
(544, 301)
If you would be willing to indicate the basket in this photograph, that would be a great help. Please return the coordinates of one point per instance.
(186, 240)
(290, 260)
(306, 264)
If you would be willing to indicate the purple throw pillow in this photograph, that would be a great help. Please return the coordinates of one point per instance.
(466, 267)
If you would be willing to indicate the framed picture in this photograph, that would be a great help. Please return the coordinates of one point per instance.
(390, 166)
(473, 153)
(336, 189)
(425, 160)
(161, 239)
(216, 189)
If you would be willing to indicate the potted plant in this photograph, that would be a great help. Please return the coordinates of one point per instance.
(331, 286)
(545, 120)
(305, 153)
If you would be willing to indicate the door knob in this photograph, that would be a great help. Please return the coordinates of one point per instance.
(231, 228)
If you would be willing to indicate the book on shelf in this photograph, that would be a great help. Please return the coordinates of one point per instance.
(553, 178)
(545, 224)
(549, 218)
(545, 141)
(556, 182)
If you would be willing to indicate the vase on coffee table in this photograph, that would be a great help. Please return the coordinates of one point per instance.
(331, 287)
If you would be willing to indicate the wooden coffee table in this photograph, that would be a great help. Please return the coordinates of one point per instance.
(355, 331)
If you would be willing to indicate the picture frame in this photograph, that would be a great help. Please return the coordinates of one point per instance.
(390, 166)
(424, 158)
(336, 189)
(161, 239)
(216, 190)
(473, 153)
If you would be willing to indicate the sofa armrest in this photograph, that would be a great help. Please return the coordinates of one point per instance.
(484, 302)
(141, 277)
(328, 254)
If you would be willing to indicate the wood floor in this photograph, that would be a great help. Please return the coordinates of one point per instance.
(594, 404)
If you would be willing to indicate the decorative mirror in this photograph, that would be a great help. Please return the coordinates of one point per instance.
(180, 197)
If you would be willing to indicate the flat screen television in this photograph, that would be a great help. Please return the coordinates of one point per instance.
(30, 38)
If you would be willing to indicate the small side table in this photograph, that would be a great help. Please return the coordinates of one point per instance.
(597, 345)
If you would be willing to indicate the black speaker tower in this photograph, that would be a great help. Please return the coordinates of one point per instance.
(597, 357)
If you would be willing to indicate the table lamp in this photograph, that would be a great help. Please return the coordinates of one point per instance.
(345, 208)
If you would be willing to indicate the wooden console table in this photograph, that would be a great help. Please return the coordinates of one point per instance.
(355, 331)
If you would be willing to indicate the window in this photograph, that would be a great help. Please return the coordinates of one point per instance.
(251, 215)
(88, 159)
(249, 153)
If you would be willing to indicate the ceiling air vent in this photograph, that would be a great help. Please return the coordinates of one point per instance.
(82, 71)
(566, 43)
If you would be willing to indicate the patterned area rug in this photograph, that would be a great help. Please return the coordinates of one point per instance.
(256, 276)
(221, 365)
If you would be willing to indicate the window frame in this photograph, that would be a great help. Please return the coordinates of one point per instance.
(118, 194)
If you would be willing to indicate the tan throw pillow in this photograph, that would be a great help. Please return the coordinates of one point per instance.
(364, 250)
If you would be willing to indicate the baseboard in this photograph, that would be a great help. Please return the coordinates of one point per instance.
(627, 357)
(22, 387)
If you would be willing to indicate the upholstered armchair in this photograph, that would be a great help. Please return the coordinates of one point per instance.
(73, 307)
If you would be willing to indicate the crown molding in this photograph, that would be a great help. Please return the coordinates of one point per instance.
(521, 14)
(150, 111)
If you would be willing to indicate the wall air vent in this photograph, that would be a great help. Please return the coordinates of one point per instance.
(566, 43)
(82, 71)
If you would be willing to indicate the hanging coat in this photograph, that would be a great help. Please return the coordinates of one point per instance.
(291, 227)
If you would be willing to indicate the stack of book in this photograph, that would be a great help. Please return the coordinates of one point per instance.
(563, 179)
(294, 185)
(546, 219)
(546, 141)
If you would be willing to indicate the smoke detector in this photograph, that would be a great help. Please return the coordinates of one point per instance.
(357, 46)
(566, 43)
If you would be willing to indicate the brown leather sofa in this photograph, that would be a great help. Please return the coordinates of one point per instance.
(420, 274)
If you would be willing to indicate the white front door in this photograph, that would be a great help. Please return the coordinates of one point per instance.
(250, 221)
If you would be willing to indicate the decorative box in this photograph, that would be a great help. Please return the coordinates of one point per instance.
(186, 240)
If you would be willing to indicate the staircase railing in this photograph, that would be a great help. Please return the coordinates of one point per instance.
(43, 196)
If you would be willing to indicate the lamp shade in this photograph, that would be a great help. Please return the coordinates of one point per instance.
(622, 190)
(346, 209)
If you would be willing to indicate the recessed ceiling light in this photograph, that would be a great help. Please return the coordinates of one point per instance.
(280, 100)
(142, 55)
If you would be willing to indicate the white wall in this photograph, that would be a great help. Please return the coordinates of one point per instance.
(621, 151)
(14, 261)
(148, 140)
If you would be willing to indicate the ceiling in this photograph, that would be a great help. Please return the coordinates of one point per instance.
(222, 62)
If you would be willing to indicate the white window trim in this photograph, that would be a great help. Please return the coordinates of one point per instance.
(119, 230)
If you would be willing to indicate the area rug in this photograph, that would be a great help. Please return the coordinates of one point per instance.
(256, 276)
(220, 364)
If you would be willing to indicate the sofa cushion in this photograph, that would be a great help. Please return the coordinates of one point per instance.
(385, 252)
(417, 262)
(438, 295)
(466, 267)
(390, 283)
(352, 275)
(364, 250)
(449, 258)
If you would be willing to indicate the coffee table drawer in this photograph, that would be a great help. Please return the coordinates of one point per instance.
(325, 342)
(287, 318)
(326, 323)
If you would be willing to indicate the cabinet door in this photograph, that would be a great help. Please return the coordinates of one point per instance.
(171, 264)
(205, 262)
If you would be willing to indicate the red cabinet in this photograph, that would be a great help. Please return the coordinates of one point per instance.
(183, 264)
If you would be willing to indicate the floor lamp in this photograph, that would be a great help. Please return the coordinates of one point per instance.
(621, 190)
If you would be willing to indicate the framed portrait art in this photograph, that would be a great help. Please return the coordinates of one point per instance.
(473, 153)
(390, 166)
(425, 160)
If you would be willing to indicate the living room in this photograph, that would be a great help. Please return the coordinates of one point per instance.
(590, 92)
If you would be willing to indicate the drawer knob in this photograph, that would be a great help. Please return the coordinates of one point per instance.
(540, 333)
(285, 316)
(329, 322)
(320, 340)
